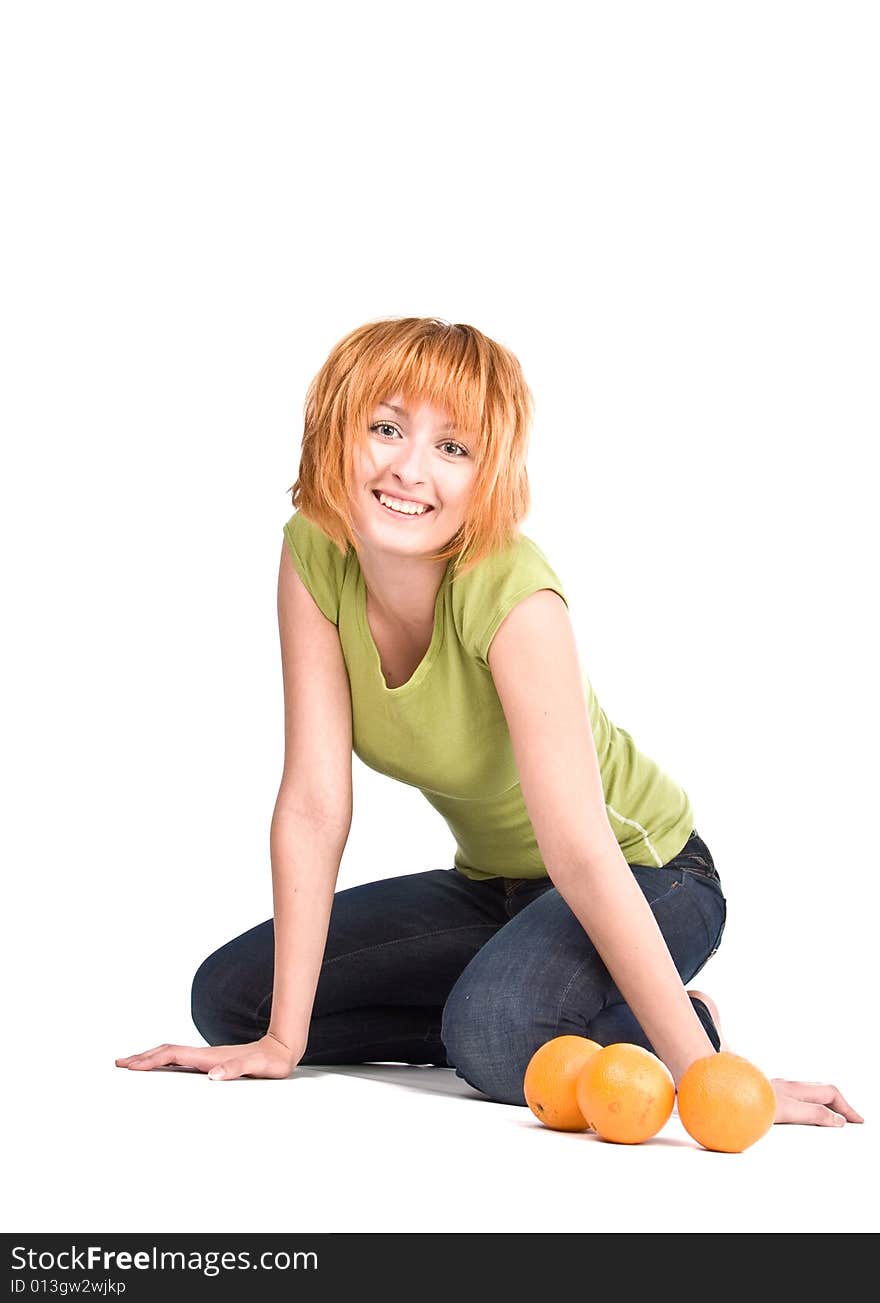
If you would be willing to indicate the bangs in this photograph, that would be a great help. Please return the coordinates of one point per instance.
(443, 368)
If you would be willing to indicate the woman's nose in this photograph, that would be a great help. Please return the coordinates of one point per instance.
(409, 466)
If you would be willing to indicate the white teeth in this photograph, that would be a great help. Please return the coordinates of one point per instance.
(405, 508)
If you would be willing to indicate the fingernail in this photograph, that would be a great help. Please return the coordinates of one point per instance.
(839, 1121)
(215, 1073)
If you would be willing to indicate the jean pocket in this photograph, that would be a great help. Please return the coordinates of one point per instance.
(657, 882)
(700, 869)
(696, 856)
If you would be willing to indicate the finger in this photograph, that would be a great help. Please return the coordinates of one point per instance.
(146, 1058)
(830, 1095)
(816, 1115)
(123, 1062)
(847, 1109)
(229, 1070)
(247, 1065)
(184, 1056)
(818, 1092)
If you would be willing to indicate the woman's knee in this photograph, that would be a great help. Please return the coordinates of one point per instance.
(231, 990)
(489, 1038)
(501, 1010)
(209, 996)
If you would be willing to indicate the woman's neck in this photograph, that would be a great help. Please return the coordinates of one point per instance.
(403, 590)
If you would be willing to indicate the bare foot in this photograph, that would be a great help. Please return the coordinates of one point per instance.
(713, 1010)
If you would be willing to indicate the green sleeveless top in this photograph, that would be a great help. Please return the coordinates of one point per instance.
(444, 731)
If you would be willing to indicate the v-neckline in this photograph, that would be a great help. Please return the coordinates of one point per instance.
(430, 655)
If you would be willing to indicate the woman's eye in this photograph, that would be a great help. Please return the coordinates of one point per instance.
(385, 425)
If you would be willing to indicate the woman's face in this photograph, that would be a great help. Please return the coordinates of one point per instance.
(414, 458)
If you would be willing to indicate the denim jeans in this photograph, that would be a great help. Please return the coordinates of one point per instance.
(437, 968)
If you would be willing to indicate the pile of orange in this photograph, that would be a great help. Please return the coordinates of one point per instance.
(626, 1094)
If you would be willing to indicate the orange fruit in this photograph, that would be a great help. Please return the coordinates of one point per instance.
(626, 1093)
(549, 1081)
(725, 1102)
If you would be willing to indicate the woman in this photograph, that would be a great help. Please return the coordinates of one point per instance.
(422, 630)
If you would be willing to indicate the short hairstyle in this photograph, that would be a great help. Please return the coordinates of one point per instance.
(477, 381)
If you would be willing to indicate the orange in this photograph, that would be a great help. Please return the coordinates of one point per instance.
(549, 1082)
(725, 1102)
(626, 1093)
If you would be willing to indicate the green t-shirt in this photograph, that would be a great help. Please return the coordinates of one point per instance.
(444, 730)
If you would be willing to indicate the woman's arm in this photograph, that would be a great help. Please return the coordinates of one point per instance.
(306, 854)
(312, 815)
(607, 900)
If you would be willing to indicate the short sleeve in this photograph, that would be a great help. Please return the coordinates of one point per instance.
(318, 561)
(497, 584)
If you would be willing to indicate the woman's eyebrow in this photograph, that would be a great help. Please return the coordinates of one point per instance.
(401, 411)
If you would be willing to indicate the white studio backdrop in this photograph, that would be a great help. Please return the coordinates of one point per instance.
(669, 213)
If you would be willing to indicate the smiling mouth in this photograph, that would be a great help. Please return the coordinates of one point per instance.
(401, 515)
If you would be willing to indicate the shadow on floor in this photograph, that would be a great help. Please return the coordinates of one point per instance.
(411, 1076)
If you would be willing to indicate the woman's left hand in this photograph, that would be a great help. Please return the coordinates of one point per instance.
(812, 1103)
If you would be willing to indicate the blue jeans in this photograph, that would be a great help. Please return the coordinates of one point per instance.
(437, 968)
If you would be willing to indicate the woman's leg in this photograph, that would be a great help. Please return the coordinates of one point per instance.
(394, 950)
(541, 977)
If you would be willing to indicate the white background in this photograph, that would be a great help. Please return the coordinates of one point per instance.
(669, 212)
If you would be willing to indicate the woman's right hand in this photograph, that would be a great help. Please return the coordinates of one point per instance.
(267, 1057)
